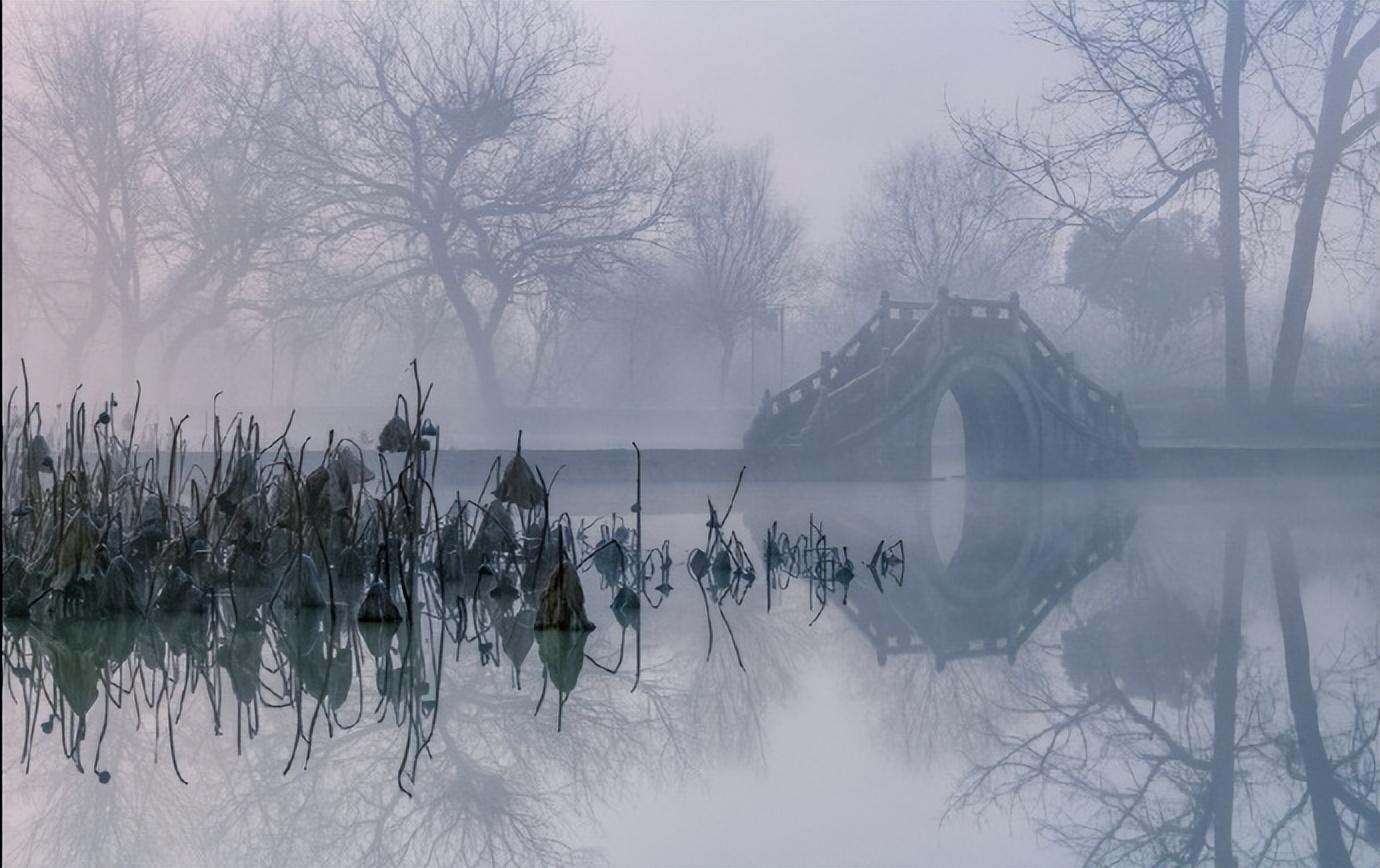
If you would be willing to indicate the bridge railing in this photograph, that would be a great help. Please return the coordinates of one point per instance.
(868, 400)
(1105, 409)
(826, 373)
(853, 359)
(851, 375)
(980, 308)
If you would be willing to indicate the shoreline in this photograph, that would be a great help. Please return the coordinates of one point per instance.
(617, 465)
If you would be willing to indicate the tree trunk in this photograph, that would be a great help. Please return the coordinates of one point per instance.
(92, 319)
(1228, 141)
(546, 346)
(1303, 700)
(1224, 695)
(81, 338)
(478, 334)
(1328, 146)
(172, 355)
(1298, 293)
(481, 349)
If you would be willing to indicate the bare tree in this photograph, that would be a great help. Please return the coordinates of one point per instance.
(738, 253)
(475, 138)
(1329, 44)
(235, 207)
(15, 274)
(1153, 114)
(97, 104)
(937, 218)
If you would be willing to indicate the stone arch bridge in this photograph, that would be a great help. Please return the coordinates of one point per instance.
(1027, 412)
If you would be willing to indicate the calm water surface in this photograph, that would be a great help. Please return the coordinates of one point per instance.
(1038, 682)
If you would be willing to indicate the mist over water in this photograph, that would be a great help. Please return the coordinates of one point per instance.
(636, 433)
(884, 713)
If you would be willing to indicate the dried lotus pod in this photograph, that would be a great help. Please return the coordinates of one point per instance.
(243, 480)
(519, 485)
(180, 594)
(76, 553)
(562, 603)
(378, 606)
(496, 533)
(302, 585)
(627, 608)
(699, 563)
(349, 464)
(722, 568)
(609, 558)
(118, 591)
(316, 498)
(396, 436)
(39, 458)
(516, 633)
(153, 527)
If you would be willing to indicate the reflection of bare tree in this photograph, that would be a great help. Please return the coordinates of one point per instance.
(1020, 554)
(1224, 690)
(334, 726)
(1320, 772)
(1204, 765)
(495, 782)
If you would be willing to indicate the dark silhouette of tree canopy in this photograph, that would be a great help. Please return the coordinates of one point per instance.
(1162, 276)
(1154, 645)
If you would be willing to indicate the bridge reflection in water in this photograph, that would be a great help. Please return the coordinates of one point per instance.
(1021, 551)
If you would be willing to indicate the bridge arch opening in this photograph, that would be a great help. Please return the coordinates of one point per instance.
(947, 455)
(981, 428)
(998, 530)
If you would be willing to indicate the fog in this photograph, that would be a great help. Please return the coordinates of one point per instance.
(836, 88)
(712, 173)
(522, 432)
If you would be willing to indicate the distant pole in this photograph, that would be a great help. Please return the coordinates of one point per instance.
(781, 359)
(272, 361)
(752, 355)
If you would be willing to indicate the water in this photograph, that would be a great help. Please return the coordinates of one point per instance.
(1039, 687)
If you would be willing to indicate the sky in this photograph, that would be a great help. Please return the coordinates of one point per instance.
(834, 87)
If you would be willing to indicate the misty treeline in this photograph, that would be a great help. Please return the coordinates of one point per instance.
(1259, 116)
(336, 189)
